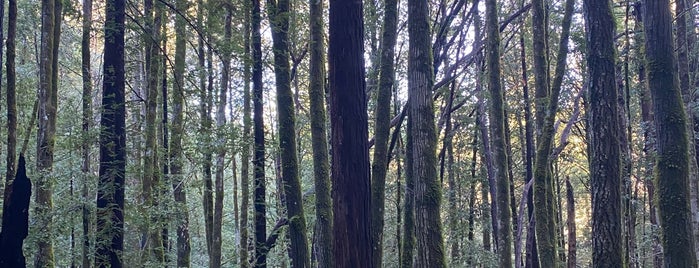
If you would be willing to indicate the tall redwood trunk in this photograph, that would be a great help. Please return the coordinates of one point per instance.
(350, 150)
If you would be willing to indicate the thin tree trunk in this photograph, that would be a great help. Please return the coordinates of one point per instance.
(379, 165)
(11, 95)
(278, 13)
(244, 246)
(48, 73)
(531, 257)
(86, 124)
(151, 176)
(260, 259)
(570, 222)
(205, 130)
(215, 255)
(110, 194)
(177, 128)
(321, 165)
(497, 130)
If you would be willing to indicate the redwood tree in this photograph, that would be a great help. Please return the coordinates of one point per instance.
(350, 153)
(110, 191)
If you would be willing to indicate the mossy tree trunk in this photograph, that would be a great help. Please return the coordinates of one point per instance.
(260, 259)
(570, 222)
(321, 165)
(428, 228)
(605, 147)
(350, 153)
(51, 17)
(244, 246)
(151, 174)
(686, 61)
(177, 128)
(497, 130)
(86, 125)
(379, 166)
(672, 160)
(109, 234)
(205, 129)
(278, 13)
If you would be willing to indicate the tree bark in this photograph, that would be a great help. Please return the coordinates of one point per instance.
(278, 13)
(430, 244)
(379, 165)
(15, 216)
(259, 140)
(604, 148)
(110, 194)
(244, 246)
(151, 176)
(672, 162)
(177, 128)
(570, 222)
(86, 124)
(350, 153)
(685, 39)
(48, 99)
(321, 165)
(497, 130)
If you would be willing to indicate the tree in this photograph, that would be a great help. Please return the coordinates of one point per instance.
(247, 145)
(350, 153)
(110, 192)
(278, 13)
(51, 16)
(151, 177)
(497, 130)
(430, 244)
(86, 123)
(570, 222)
(604, 148)
(15, 215)
(321, 165)
(672, 159)
(379, 166)
(258, 161)
(176, 162)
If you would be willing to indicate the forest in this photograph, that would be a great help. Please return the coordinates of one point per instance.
(349, 133)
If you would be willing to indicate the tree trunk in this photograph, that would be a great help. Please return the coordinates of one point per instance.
(278, 13)
(350, 153)
(430, 244)
(48, 99)
(672, 162)
(110, 193)
(379, 165)
(686, 36)
(215, 255)
(570, 222)
(15, 216)
(604, 148)
(86, 124)
(11, 96)
(497, 130)
(321, 165)
(176, 161)
(260, 259)
(531, 257)
(246, 146)
(205, 130)
(545, 210)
